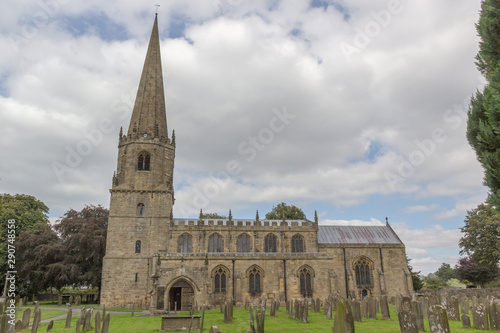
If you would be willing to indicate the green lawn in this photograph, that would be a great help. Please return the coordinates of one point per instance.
(124, 323)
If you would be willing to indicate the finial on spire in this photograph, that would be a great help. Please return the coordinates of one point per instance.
(157, 7)
(230, 215)
(257, 215)
(386, 221)
(316, 216)
(201, 214)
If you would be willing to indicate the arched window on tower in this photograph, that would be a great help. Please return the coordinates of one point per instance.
(220, 275)
(138, 246)
(140, 209)
(143, 162)
(255, 275)
(243, 243)
(362, 269)
(215, 243)
(305, 277)
(185, 243)
(298, 243)
(270, 243)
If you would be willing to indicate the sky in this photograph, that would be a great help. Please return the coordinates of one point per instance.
(354, 109)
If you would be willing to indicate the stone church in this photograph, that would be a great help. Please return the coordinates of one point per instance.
(157, 261)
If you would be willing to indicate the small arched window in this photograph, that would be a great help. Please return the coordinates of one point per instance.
(185, 243)
(140, 209)
(215, 243)
(138, 246)
(305, 277)
(270, 243)
(255, 280)
(362, 268)
(143, 162)
(243, 243)
(297, 243)
(220, 275)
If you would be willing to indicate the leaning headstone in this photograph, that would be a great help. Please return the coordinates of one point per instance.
(384, 308)
(465, 321)
(26, 318)
(438, 319)
(19, 326)
(68, 318)
(480, 316)
(36, 320)
(339, 325)
(105, 324)
(202, 319)
(78, 324)
(50, 325)
(252, 324)
(406, 322)
(214, 329)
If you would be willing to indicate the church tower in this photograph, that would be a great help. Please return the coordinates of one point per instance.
(142, 194)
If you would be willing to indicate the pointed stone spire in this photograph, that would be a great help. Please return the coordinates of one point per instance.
(201, 214)
(316, 216)
(149, 117)
(257, 215)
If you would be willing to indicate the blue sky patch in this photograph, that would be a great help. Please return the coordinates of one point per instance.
(325, 4)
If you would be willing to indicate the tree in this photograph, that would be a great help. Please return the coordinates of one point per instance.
(415, 276)
(481, 238)
(445, 272)
(30, 215)
(214, 216)
(290, 212)
(434, 282)
(469, 270)
(83, 236)
(483, 124)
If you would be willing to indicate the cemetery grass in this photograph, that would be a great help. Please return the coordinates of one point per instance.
(124, 323)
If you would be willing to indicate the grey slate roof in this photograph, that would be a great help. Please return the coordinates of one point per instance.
(330, 234)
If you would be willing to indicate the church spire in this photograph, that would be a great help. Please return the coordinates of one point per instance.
(149, 118)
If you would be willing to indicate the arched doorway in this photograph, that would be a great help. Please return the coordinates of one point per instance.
(181, 296)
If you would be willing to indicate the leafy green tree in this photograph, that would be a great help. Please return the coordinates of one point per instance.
(445, 272)
(481, 238)
(30, 215)
(214, 216)
(415, 276)
(434, 282)
(471, 271)
(290, 212)
(483, 125)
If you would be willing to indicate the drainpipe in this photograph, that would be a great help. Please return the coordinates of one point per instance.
(284, 278)
(233, 280)
(345, 273)
(381, 259)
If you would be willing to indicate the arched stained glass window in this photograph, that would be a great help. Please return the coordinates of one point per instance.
(243, 243)
(298, 243)
(215, 243)
(143, 162)
(220, 276)
(140, 209)
(270, 243)
(362, 269)
(255, 280)
(138, 246)
(305, 277)
(185, 243)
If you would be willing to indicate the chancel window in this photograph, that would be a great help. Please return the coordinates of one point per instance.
(215, 243)
(362, 268)
(185, 243)
(270, 243)
(243, 243)
(255, 280)
(305, 277)
(220, 276)
(138, 246)
(143, 162)
(297, 243)
(140, 209)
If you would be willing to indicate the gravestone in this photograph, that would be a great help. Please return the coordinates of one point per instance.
(364, 308)
(37, 306)
(252, 324)
(356, 311)
(214, 329)
(438, 319)
(452, 308)
(305, 311)
(480, 316)
(329, 312)
(317, 307)
(464, 305)
(398, 303)
(339, 325)
(97, 324)
(465, 321)
(50, 325)
(59, 300)
(406, 303)
(26, 318)
(272, 311)
(78, 324)
(384, 308)
(36, 320)
(68, 318)
(494, 314)
(407, 323)
(260, 317)
(19, 326)
(202, 319)
(416, 310)
(425, 307)
(372, 308)
(105, 324)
